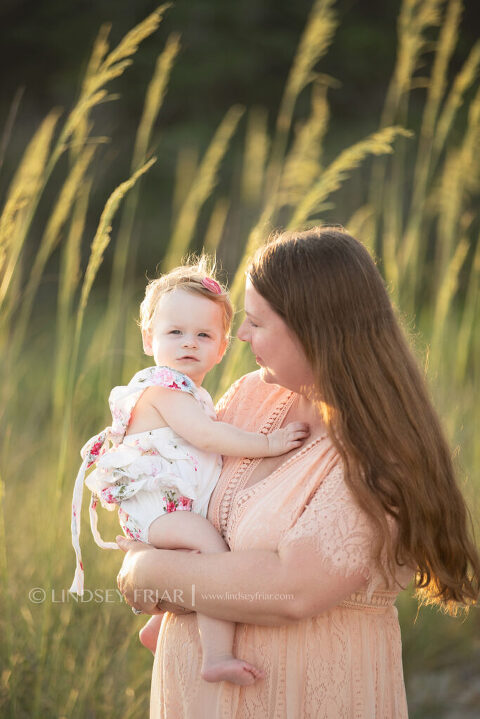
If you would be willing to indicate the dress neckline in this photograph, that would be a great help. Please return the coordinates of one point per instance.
(281, 468)
(233, 485)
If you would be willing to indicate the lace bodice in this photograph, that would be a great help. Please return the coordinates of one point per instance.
(342, 664)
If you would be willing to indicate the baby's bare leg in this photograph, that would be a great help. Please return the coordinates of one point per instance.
(149, 633)
(182, 530)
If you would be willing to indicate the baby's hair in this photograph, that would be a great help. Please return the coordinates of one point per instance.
(188, 277)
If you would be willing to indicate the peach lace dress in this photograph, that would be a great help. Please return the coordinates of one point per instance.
(343, 664)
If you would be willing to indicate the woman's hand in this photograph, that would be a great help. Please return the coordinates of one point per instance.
(131, 579)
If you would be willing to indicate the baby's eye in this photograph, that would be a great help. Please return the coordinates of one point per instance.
(174, 332)
(203, 334)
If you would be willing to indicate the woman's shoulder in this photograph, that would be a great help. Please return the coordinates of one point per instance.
(250, 396)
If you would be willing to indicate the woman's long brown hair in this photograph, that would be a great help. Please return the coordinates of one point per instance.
(326, 287)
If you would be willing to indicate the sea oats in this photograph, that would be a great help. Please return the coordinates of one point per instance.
(216, 226)
(257, 144)
(379, 143)
(445, 294)
(202, 186)
(70, 275)
(102, 235)
(415, 19)
(314, 43)
(461, 84)
(22, 199)
(469, 321)
(51, 237)
(155, 96)
(130, 43)
(303, 162)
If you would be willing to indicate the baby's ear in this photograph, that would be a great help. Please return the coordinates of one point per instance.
(222, 350)
(147, 342)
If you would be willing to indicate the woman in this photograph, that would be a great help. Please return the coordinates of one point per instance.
(323, 540)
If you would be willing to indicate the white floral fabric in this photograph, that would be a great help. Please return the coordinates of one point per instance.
(143, 475)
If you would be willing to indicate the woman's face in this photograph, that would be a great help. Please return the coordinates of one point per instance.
(276, 348)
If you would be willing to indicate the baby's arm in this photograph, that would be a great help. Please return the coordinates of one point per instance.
(184, 415)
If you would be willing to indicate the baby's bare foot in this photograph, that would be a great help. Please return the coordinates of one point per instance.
(232, 670)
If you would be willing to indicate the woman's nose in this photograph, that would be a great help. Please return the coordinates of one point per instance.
(242, 332)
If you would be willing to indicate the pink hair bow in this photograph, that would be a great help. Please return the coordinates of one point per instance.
(212, 285)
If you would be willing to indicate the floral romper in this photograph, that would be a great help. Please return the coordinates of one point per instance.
(146, 474)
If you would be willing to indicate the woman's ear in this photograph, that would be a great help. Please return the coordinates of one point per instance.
(147, 342)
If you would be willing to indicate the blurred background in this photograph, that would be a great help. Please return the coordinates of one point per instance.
(131, 134)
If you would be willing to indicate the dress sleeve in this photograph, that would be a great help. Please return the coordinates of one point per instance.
(123, 399)
(338, 530)
(171, 379)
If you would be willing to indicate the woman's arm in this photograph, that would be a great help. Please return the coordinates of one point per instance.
(254, 586)
(185, 416)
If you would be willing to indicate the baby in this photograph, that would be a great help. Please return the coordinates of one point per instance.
(160, 460)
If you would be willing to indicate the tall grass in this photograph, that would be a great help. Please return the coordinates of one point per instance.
(418, 215)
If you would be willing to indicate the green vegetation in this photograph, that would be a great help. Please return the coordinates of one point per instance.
(415, 210)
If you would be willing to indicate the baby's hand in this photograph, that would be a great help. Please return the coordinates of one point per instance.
(290, 437)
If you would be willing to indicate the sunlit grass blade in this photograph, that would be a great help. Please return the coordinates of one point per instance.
(128, 46)
(416, 18)
(22, 200)
(257, 144)
(303, 162)
(362, 225)
(100, 72)
(459, 179)
(423, 171)
(69, 279)
(81, 130)
(438, 81)
(102, 236)
(6, 651)
(216, 226)
(202, 187)
(155, 96)
(469, 321)
(52, 236)
(9, 124)
(415, 21)
(185, 171)
(99, 51)
(380, 143)
(445, 295)
(435, 93)
(462, 83)
(103, 68)
(314, 43)
(256, 238)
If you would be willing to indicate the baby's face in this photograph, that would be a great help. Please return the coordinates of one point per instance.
(187, 334)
